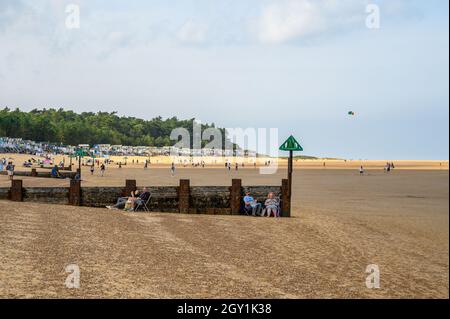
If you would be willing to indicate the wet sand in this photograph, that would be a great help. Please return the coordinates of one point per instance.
(341, 223)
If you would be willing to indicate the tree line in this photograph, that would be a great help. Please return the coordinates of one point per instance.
(70, 128)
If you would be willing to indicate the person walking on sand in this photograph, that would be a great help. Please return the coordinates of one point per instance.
(92, 169)
(172, 169)
(361, 170)
(145, 165)
(10, 170)
(102, 169)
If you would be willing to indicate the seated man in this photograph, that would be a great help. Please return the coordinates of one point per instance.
(139, 198)
(55, 172)
(271, 206)
(251, 205)
(135, 199)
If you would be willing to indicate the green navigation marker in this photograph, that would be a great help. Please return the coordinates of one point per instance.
(80, 153)
(291, 144)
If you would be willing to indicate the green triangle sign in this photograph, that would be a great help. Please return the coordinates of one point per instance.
(80, 152)
(291, 144)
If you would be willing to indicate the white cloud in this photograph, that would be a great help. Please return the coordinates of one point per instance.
(192, 33)
(288, 20)
(282, 22)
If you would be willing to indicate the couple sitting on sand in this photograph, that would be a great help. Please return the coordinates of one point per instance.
(252, 207)
(130, 204)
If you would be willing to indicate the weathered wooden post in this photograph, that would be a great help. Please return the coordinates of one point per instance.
(235, 196)
(80, 153)
(70, 161)
(285, 199)
(130, 186)
(290, 145)
(290, 170)
(16, 191)
(184, 196)
(75, 192)
(33, 172)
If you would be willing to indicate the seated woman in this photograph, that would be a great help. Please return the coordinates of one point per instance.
(271, 206)
(26, 164)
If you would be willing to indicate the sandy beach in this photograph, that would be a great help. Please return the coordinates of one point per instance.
(341, 222)
(193, 121)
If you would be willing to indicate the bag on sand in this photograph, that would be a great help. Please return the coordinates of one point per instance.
(128, 206)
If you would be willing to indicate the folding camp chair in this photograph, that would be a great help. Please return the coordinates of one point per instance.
(143, 205)
(277, 212)
(280, 202)
(246, 210)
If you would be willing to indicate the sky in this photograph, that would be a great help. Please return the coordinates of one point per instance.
(295, 65)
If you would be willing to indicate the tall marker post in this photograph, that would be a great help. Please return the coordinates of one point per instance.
(291, 145)
(70, 159)
(80, 153)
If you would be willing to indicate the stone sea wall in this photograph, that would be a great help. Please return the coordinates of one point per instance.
(34, 173)
(220, 200)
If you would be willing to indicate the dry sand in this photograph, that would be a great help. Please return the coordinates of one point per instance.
(163, 161)
(341, 223)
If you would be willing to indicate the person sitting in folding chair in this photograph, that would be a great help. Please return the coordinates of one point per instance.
(272, 206)
(141, 199)
(251, 206)
(135, 200)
